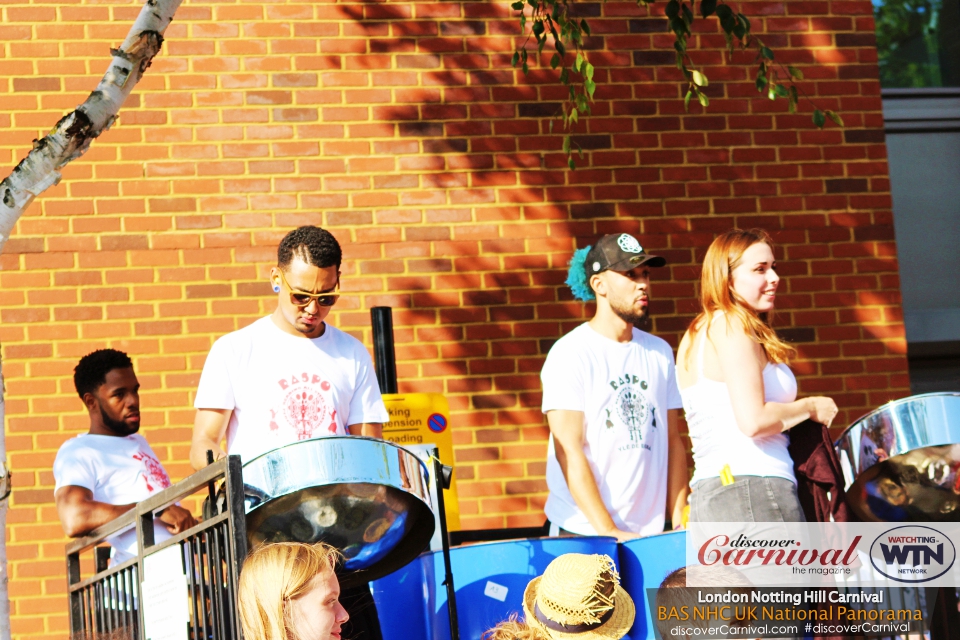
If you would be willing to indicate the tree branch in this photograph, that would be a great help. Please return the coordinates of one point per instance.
(72, 135)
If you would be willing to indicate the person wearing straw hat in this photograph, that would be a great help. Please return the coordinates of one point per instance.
(579, 597)
(616, 465)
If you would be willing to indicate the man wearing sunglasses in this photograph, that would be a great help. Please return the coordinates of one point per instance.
(289, 376)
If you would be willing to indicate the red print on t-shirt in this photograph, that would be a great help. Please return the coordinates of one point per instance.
(304, 405)
(153, 473)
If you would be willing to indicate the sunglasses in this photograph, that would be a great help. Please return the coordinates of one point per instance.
(302, 298)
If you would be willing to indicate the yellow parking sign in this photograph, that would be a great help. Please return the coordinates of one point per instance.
(418, 420)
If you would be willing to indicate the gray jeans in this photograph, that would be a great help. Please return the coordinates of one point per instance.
(748, 499)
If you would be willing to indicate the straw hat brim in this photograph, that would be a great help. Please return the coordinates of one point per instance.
(616, 627)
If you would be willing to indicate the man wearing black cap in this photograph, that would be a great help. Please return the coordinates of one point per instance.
(616, 464)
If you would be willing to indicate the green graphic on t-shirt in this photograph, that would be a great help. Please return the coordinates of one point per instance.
(632, 406)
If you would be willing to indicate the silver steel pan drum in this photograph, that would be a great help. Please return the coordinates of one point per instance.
(367, 497)
(901, 462)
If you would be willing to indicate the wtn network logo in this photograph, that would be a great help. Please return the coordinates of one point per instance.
(912, 554)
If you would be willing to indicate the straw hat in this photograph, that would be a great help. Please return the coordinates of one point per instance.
(579, 597)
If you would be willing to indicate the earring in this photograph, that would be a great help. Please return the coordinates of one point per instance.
(276, 288)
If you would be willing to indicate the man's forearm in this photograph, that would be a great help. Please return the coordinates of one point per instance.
(369, 429)
(678, 480)
(85, 518)
(198, 452)
(583, 488)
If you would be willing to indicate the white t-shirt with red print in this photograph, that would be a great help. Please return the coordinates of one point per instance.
(283, 388)
(117, 470)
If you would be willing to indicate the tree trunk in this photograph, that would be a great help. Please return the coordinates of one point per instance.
(70, 138)
(5, 482)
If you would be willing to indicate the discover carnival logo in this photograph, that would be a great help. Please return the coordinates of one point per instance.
(744, 552)
(912, 553)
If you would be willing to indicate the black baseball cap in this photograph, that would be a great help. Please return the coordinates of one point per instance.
(618, 252)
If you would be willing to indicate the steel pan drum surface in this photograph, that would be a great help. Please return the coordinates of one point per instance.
(367, 497)
(901, 462)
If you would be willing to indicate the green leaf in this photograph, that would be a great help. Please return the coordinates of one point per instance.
(673, 9)
(818, 118)
(699, 79)
(590, 86)
(724, 12)
(761, 82)
(772, 92)
(744, 21)
(538, 29)
(589, 71)
(578, 62)
(729, 24)
(704, 100)
(571, 164)
(739, 30)
(794, 99)
(585, 27)
(795, 73)
(515, 59)
(574, 116)
(781, 91)
(566, 144)
(708, 7)
(526, 68)
(555, 61)
(686, 100)
(837, 120)
(517, 6)
(565, 76)
(766, 53)
(687, 14)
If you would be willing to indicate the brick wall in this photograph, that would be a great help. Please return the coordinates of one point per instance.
(402, 129)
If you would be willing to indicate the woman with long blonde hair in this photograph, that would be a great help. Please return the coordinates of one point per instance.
(738, 392)
(289, 591)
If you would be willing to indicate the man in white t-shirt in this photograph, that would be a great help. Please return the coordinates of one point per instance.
(616, 463)
(102, 474)
(289, 376)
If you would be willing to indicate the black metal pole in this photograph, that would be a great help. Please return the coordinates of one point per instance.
(385, 359)
(439, 480)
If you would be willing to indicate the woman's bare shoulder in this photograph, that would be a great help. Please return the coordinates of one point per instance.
(727, 331)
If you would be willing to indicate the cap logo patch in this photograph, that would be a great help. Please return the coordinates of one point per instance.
(629, 244)
(596, 266)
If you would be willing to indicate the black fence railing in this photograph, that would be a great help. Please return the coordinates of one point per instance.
(112, 602)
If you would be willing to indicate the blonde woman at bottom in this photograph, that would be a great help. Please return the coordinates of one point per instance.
(289, 591)
(738, 392)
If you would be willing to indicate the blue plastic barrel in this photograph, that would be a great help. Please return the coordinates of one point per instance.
(489, 578)
(644, 563)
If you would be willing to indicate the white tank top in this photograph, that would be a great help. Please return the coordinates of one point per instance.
(716, 439)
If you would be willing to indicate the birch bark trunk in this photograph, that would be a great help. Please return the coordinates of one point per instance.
(40, 170)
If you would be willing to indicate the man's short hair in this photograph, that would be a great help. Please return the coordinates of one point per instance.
(91, 372)
(313, 245)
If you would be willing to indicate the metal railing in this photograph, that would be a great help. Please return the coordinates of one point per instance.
(111, 601)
